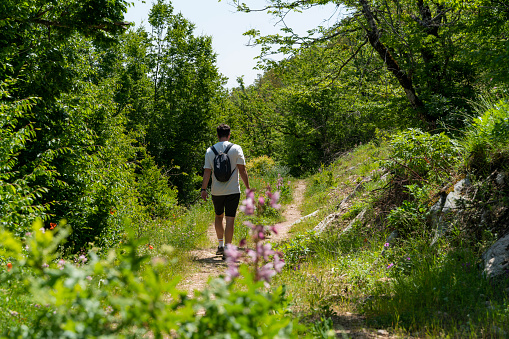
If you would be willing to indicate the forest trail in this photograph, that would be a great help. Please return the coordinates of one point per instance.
(210, 266)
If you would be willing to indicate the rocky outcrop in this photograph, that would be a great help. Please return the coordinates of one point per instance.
(447, 207)
(496, 258)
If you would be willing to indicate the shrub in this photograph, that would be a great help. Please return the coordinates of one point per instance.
(487, 136)
(261, 165)
(418, 156)
(18, 193)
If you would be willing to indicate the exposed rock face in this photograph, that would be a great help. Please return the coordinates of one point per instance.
(446, 207)
(496, 258)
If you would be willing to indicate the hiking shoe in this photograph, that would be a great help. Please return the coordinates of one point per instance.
(224, 257)
(220, 251)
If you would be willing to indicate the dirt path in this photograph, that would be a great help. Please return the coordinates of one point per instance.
(208, 265)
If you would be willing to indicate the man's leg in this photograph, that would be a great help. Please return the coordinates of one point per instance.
(229, 229)
(218, 224)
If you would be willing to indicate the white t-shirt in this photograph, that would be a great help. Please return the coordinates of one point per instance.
(236, 158)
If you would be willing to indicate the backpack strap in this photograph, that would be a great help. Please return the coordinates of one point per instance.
(226, 152)
(214, 150)
(228, 148)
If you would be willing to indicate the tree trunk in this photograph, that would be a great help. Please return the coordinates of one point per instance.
(373, 35)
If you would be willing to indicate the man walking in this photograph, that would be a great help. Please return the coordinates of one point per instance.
(225, 191)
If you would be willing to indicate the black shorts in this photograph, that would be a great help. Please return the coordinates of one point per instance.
(226, 204)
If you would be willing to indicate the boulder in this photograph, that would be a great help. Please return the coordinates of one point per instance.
(496, 258)
(444, 209)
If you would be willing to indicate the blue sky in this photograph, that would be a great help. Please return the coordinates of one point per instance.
(226, 26)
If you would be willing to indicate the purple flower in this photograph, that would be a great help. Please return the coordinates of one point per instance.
(274, 199)
(232, 272)
(387, 244)
(390, 265)
(408, 258)
(82, 258)
(247, 206)
(263, 251)
(232, 253)
(266, 272)
(261, 201)
(278, 264)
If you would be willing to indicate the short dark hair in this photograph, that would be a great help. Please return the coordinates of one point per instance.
(223, 130)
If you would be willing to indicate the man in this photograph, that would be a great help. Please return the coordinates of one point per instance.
(225, 195)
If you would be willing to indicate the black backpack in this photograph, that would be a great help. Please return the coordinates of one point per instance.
(222, 167)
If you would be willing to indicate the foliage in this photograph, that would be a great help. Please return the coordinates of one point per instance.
(439, 290)
(485, 139)
(185, 85)
(93, 297)
(18, 196)
(298, 249)
(261, 165)
(419, 157)
(241, 310)
(125, 295)
(155, 194)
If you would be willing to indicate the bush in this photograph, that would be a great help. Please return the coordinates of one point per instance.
(486, 138)
(417, 156)
(261, 165)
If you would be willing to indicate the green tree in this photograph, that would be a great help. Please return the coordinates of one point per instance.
(431, 49)
(186, 86)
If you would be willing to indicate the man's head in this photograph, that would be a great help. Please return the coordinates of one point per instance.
(223, 131)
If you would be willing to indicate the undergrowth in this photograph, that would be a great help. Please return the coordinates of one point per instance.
(394, 267)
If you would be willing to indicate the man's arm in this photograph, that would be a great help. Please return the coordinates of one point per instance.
(243, 175)
(206, 177)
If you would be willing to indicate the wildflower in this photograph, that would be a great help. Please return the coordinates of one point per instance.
(248, 206)
(42, 229)
(274, 197)
(232, 272)
(262, 251)
(151, 247)
(232, 253)
(108, 309)
(390, 265)
(45, 265)
(408, 258)
(112, 212)
(9, 267)
(278, 264)
(82, 258)
(61, 264)
(387, 244)
(266, 272)
(89, 277)
(261, 201)
(28, 234)
(52, 225)
(13, 313)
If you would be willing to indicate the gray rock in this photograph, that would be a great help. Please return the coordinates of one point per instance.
(501, 177)
(444, 209)
(496, 258)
